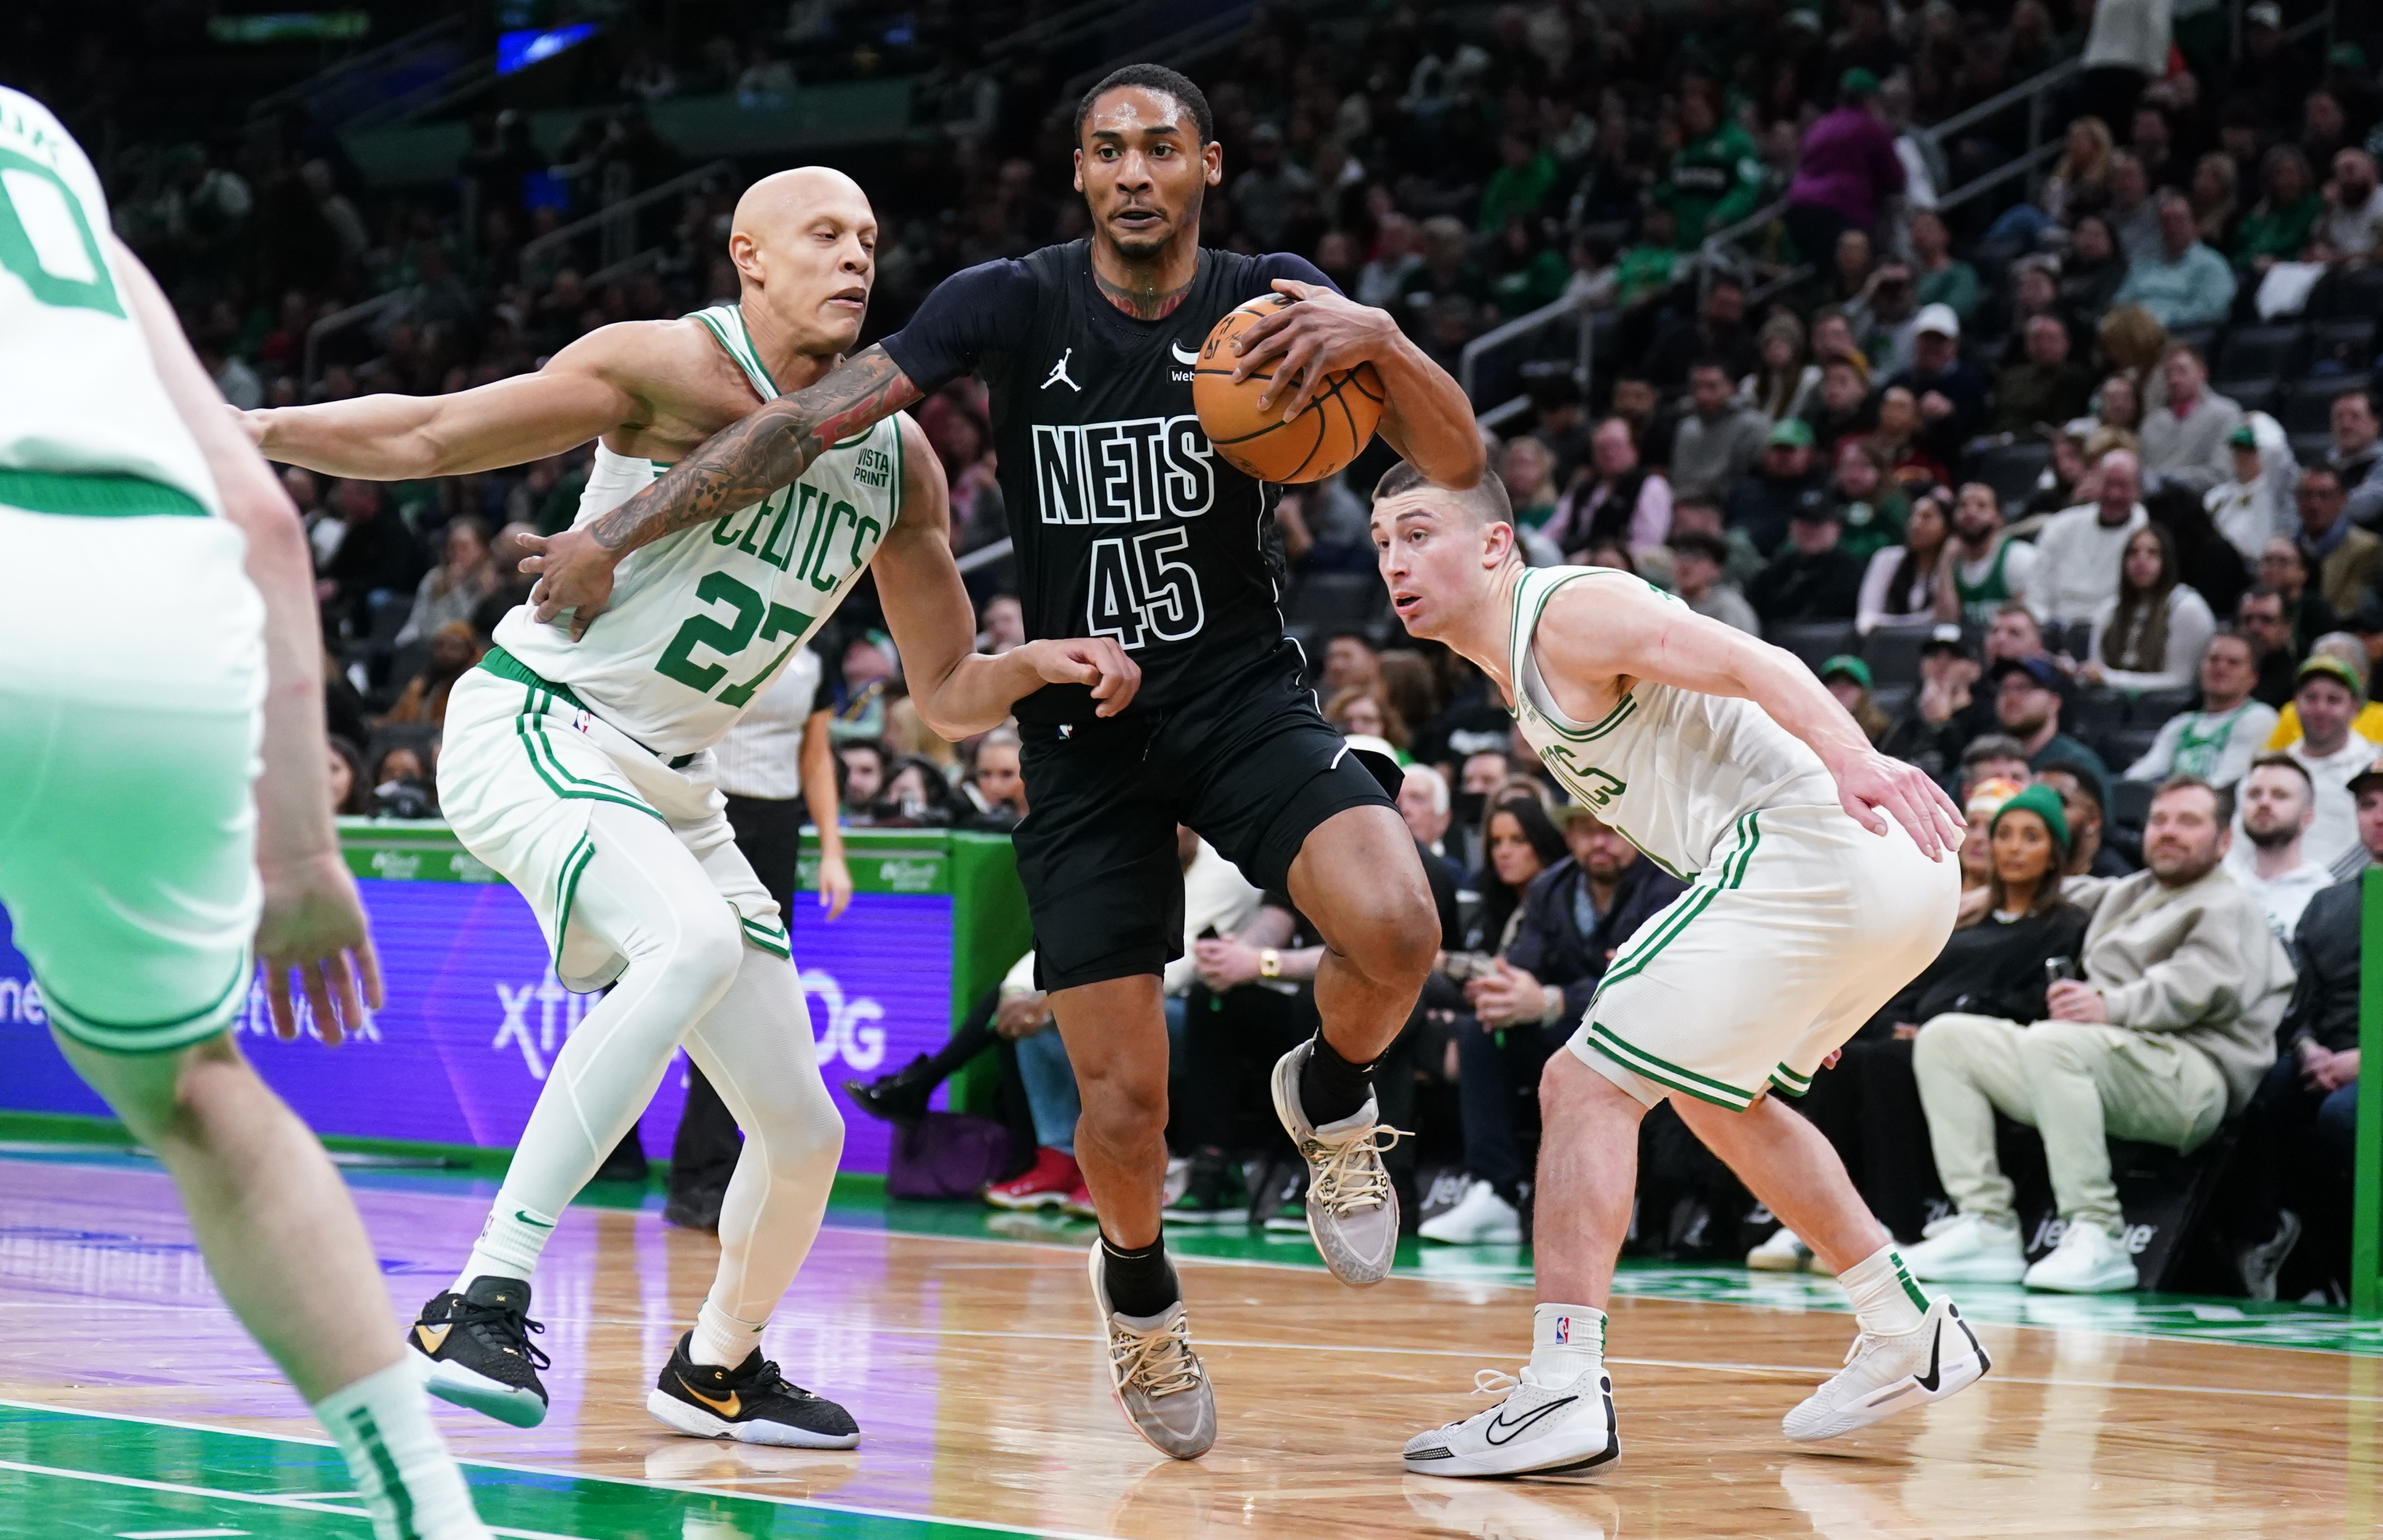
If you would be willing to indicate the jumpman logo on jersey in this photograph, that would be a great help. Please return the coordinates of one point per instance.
(1059, 373)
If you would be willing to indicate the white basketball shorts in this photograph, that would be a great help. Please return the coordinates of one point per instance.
(1801, 928)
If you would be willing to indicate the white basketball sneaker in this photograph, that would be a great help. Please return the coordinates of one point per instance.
(1967, 1247)
(1886, 1375)
(1536, 1430)
(1479, 1218)
(2087, 1261)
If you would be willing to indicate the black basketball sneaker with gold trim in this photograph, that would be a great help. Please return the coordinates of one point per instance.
(480, 1354)
(751, 1403)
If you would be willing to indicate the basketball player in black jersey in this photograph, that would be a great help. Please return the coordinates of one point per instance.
(1128, 525)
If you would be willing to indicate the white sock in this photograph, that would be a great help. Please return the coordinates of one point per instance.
(509, 1244)
(409, 1481)
(720, 1338)
(1886, 1301)
(1567, 1341)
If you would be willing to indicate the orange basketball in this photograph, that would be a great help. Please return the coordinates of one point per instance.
(1338, 424)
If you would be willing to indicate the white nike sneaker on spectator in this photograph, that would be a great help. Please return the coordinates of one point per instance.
(1783, 1252)
(1886, 1375)
(1536, 1430)
(2088, 1261)
(1967, 1247)
(1479, 1218)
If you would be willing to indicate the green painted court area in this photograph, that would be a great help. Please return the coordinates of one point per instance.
(66, 1475)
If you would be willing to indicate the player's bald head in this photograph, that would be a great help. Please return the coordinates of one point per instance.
(1483, 503)
(783, 200)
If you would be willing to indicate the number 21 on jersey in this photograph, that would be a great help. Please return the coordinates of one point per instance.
(1140, 593)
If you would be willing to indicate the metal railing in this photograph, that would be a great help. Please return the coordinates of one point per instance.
(1529, 324)
(338, 321)
(618, 220)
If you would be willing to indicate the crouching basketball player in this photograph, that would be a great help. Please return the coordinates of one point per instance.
(1819, 886)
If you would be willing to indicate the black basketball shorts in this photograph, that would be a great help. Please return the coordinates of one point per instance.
(1250, 765)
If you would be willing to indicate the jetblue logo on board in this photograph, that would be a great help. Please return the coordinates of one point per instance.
(1120, 472)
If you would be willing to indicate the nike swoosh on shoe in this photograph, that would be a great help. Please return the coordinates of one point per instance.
(1514, 1430)
(1930, 1380)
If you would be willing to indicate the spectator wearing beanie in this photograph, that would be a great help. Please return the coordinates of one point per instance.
(2171, 1027)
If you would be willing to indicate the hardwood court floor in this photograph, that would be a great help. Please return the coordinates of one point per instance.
(970, 1365)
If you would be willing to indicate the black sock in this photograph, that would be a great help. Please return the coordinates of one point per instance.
(1140, 1279)
(1330, 1088)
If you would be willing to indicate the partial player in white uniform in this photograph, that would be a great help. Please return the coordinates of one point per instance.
(156, 631)
(1819, 886)
(577, 761)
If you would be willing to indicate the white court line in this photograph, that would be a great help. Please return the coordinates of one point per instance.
(690, 1489)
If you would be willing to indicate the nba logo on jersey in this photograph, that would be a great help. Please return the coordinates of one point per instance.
(582, 720)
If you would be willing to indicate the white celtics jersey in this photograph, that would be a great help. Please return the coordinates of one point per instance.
(1670, 770)
(79, 395)
(701, 621)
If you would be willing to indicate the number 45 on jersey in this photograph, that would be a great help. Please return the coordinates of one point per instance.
(1140, 593)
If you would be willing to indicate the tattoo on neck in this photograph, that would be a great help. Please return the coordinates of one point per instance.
(1147, 305)
(767, 448)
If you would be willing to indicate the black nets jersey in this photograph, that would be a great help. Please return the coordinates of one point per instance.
(1124, 521)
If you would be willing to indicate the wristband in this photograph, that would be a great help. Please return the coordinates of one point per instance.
(1270, 964)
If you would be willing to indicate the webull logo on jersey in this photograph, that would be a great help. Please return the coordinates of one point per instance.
(1140, 470)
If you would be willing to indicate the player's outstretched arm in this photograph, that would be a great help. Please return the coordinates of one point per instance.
(312, 921)
(736, 468)
(1605, 630)
(578, 396)
(1429, 421)
(960, 692)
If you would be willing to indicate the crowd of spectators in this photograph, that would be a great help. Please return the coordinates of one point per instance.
(2071, 494)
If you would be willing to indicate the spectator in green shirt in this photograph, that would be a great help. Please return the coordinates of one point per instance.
(1716, 175)
(1526, 272)
(2276, 228)
(1519, 185)
(1650, 267)
(1943, 278)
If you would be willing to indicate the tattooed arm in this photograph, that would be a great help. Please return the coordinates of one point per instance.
(736, 468)
(960, 691)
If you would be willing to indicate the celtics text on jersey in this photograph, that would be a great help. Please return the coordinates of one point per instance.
(700, 620)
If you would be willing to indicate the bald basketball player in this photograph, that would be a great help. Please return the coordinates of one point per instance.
(577, 763)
